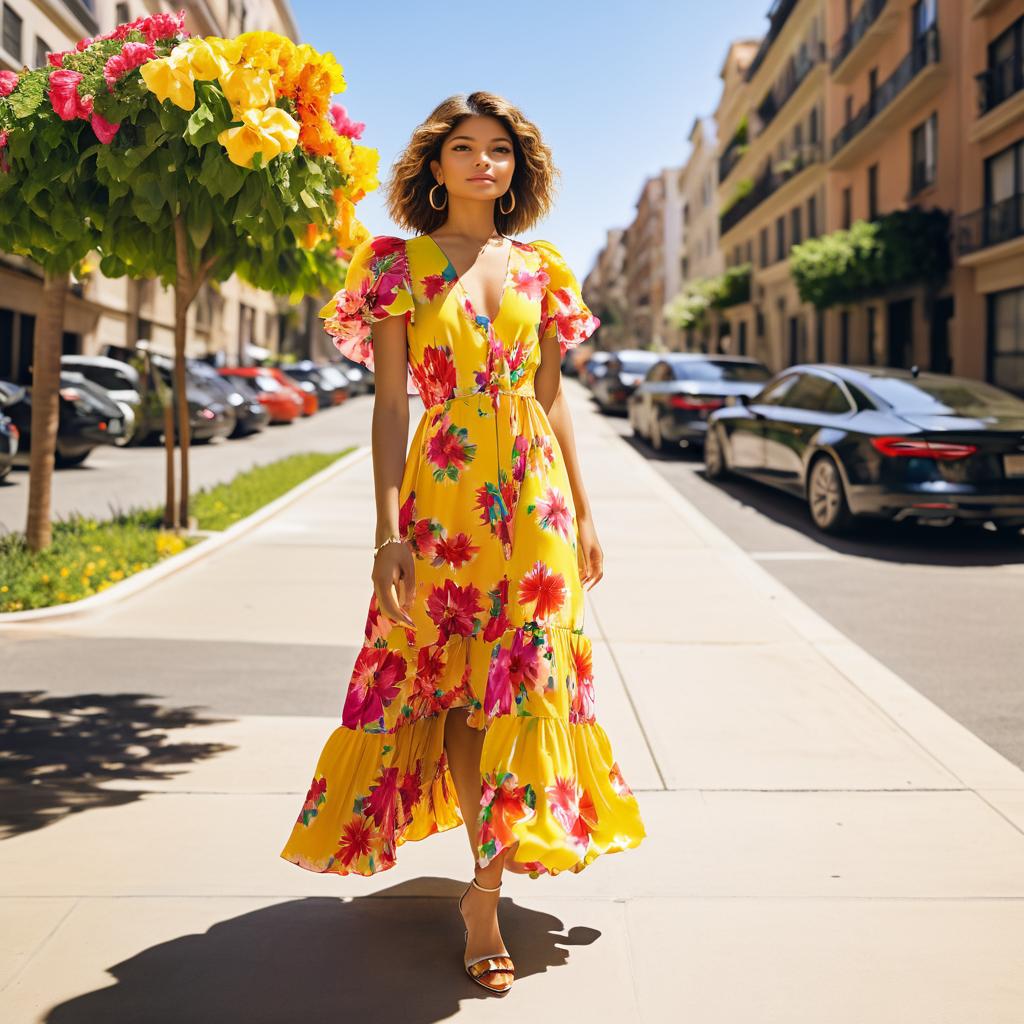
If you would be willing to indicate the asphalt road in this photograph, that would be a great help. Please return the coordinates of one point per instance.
(940, 607)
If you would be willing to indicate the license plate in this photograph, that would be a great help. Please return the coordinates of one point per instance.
(1013, 465)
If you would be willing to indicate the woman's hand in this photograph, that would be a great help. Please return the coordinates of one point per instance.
(394, 573)
(591, 557)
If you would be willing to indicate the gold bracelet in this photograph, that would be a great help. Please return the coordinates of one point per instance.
(387, 540)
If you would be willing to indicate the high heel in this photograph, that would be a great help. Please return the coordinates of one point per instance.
(490, 963)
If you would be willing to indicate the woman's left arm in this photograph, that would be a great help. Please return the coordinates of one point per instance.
(548, 386)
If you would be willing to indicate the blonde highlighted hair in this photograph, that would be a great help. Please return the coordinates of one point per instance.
(533, 181)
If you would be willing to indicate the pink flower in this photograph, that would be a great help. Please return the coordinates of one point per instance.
(553, 512)
(343, 125)
(4, 165)
(132, 55)
(56, 58)
(453, 609)
(374, 685)
(83, 44)
(8, 82)
(67, 104)
(380, 804)
(105, 131)
(456, 551)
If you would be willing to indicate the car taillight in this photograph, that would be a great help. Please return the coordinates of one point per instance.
(910, 448)
(689, 402)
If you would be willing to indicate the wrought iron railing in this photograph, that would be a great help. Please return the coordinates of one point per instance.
(770, 180)
(862, 21)
(798, 68)
(999, 82)
(923, 53)
(991, 225)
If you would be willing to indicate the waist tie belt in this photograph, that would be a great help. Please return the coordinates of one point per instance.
(503, 491)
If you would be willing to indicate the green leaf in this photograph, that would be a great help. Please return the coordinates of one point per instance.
(28, 97)
(199, 219)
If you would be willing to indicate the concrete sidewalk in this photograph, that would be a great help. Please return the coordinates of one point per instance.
(825, 846)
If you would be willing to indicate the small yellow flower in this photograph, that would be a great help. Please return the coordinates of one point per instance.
(246, 89)
(267, 132)
(64, 571)
(4, 589)
(169, 80)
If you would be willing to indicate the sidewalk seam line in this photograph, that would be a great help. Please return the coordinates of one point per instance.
(43, 942)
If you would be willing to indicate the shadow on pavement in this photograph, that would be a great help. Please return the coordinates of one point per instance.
(394, 956)
(58, 751)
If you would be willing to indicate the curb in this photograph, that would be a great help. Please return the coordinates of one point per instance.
(212, 543)
(949, 743)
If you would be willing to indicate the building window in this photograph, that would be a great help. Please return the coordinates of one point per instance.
(847, 207)
(812, 217)
(764, 247)
(844, 336)
(735, 255)
(873, 192)
(812, 127)
(923, 17)
(780, 238)
(848, 111)
(1004, 75)
(796, 223)
(750, 251)
(923, 153)
(1006, 339)
(42, 49)
(12, 32)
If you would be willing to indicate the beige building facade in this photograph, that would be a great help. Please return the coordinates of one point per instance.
(230, 321)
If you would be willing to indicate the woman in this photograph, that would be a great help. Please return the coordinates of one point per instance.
(475, 673)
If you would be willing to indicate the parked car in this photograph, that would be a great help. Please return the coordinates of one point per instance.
(340, 378)
(9, 433)
(310, 402)
(120, 381)
(360, 379)
(865, 441)
(594, 368)
(88, 417)
(283, 404)
(310, 377)
(210, 415)
(623, 371)
(672, 403)
(251, 416)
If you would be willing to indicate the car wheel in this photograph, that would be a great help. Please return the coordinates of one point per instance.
(826, 497)
(716, 466)
(64, 461)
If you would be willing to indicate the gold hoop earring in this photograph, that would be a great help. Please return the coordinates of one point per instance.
(512, 207)
(430, 197)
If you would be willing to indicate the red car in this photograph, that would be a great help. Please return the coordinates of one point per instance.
(284, 402)
(310, 403)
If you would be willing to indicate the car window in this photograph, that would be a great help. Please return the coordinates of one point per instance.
(659, 372)
(722, 369)
(835, 400)
(939, 395)
(775, 393)
(810, 392)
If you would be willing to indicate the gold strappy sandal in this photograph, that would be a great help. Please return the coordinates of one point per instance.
(490, 963)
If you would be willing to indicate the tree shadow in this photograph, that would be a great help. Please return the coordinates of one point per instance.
(393, 956)
(58, 751)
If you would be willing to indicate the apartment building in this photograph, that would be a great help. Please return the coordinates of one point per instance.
(645, 283)
(604, 289)
(700, 256)
(772, 181)
(989, 236)
(230, 320)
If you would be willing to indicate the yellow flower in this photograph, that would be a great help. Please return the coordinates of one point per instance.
(169, 80)
(208, 58)
(4, 589)
(267, 50)
(64, 571)
(267, 132)
(246, 89)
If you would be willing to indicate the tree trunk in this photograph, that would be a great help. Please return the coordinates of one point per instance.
(184, 292)
(45, 409)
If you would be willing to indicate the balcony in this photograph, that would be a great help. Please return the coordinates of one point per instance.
(918, 77)
(992, 225)
(732, 155)
(800, 65)
(777, 16)
(770, 181)
(1000, 97)
(85, 12)
(874, 19)
(999, 83)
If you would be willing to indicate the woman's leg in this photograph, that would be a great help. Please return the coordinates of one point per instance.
(463, 744)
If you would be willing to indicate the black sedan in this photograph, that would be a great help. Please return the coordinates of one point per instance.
(672, 404)
(865, 441)
(9, 433)
(88, 417)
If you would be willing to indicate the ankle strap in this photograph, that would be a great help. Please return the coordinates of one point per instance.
(484, 888)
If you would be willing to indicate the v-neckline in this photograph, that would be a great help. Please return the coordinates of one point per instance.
(457, 283)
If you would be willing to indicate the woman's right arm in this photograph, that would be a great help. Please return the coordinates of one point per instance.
(393, 568)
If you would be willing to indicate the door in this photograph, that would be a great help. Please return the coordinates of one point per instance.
(815, 401)
(900, 339)
(942, 313)
(747, 433)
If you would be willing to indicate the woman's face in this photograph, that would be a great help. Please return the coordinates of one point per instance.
(477, 159)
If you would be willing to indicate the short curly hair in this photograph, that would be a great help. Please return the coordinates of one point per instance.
(533, 180)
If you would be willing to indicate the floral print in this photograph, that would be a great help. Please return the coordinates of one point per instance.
(486, 507)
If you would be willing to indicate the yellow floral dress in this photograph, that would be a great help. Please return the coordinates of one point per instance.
(487, 510)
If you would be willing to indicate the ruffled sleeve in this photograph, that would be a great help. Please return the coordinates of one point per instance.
(564, 314)
(377, 285)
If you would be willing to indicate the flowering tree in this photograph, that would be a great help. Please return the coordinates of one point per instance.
(207, 158)
(50, 208)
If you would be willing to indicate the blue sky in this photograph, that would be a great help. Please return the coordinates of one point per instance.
(614, 87)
